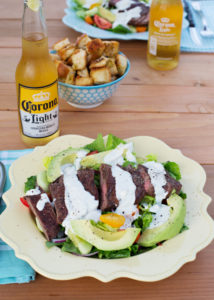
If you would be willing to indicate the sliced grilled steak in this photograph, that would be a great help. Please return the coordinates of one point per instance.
(57, 190)
(171, 185)
(147, 181)
(108, 199)
(144, 15)
(86, 177)
(46, 217)
(138, 181)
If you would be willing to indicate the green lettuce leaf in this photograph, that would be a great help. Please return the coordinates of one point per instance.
(30, 183)
(113, 141)
(173, 169)
(144, 220)
(97, 144)
(120, 29)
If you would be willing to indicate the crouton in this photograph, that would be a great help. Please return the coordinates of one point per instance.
(83, 73)
(61, 44)
(62, 69)
(98, 63)
(111, 65)
(54, 56)
(66, 52)
(121, 62)
(111, 48)
(83, 81)
(82, 41)
(100, 75)
(70, 79)
(78, 59)
(95, 48)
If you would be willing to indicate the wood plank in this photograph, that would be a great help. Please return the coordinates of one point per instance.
(192, 133)
(10, 9)
(136, 98)
(187, 74)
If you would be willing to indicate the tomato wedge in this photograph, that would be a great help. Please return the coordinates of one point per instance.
(112, 219)
(101, 22)
(92, 152)
(22, 199)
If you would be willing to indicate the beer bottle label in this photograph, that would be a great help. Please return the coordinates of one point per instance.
(38, 108)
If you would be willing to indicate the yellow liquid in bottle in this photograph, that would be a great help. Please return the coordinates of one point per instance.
(36, 80)
(165, 27)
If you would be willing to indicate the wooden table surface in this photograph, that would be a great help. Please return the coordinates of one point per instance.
(175, 106)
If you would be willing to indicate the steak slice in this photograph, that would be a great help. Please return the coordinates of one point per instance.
(108, 201)
(86, 177)
(172, 184)
(138, 181)
(144, 15)
(149, 189)
(46, 216)
(57, 190)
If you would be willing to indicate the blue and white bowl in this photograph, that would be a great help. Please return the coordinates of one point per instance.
(89, 96)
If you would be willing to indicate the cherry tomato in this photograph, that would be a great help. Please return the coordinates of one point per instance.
(137, 238)
(101, 22)
(22, 199)
(89, 20)
(112, 219)
(92, 152)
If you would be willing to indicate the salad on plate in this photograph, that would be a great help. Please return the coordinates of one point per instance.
(103, 201)
(118, 16)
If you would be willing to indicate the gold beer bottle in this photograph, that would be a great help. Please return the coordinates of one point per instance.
(165, 26)
(36, 81)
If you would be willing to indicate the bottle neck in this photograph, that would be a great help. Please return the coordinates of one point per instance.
(34, 30)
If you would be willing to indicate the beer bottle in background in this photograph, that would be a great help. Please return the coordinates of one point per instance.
(165, 25)
(36, 80)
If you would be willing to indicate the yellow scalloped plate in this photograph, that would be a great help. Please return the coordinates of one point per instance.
(18, 229)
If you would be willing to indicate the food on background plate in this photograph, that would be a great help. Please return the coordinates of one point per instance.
(88, 61)
(101, 200)
(119, 16)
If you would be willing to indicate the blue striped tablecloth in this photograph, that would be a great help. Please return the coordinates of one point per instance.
(12, 269)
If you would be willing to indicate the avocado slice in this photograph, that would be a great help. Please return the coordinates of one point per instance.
(94, 160)
(42, 180)
(170, 228)
(104, 240)
(64, 157)
(83, 246)
(106, 14)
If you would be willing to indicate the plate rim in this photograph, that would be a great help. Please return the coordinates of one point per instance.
(96, 274)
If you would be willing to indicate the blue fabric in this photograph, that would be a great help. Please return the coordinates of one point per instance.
(12, 269)
(207, 44)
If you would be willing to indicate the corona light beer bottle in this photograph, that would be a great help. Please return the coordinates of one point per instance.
(36, 80)
(165, 25)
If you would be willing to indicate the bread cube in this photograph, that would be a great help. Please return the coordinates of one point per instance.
(82, 41)
(66, 52)
(83, 81)
(95, 48)
(54, 56)
(83, 73)
(100, 75)
(112, 66)
(61, 44)
(62, 69)
(121, 62)
(70, 79)
(111, 48)
(99, 63)
(78, 59)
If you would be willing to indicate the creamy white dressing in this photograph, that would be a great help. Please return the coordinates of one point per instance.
(125, 193)
(42, 201)
(79, 202)
(116, 156)
(33, 192)
(161, 215)
(80, 155)
(123, 18)
(157, 173)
